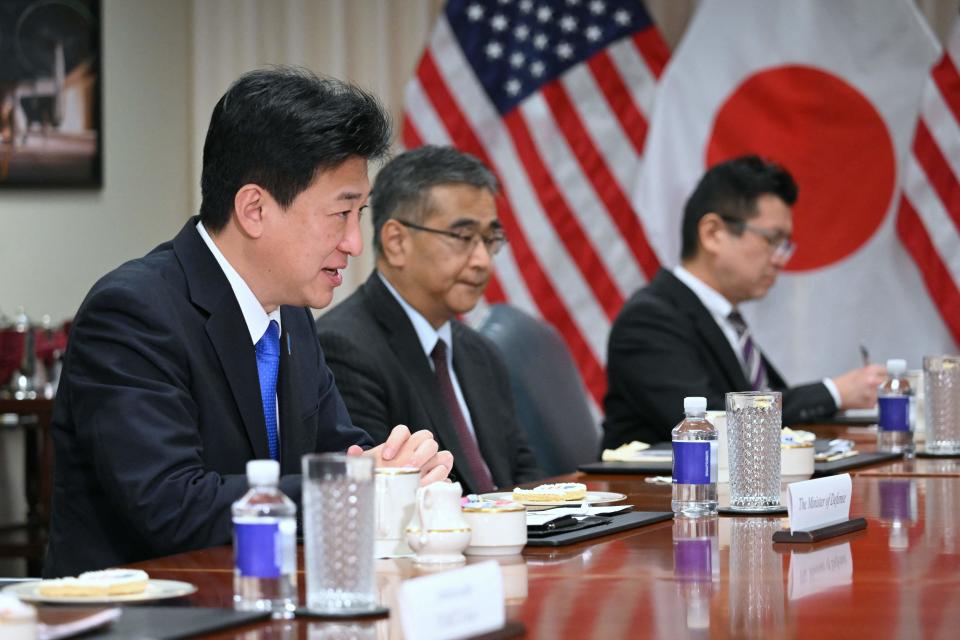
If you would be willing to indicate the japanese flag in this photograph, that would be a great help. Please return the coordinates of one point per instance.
(830, 90)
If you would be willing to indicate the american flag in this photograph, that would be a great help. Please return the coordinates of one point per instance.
(554, 97)
(928, 220)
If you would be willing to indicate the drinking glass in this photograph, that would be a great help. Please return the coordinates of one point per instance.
(338, 527)
(753, 444)
(941, 381)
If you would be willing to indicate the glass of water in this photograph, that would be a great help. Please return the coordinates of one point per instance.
(753, 449)
(941, 381)
(338, 532)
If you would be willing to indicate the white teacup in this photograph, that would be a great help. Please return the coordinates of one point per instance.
(396, 495)
(719, 420)
(18, 620)
(796, 462)
(497, 528)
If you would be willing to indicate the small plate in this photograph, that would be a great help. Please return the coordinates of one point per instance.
(156, 590)
(592, 497)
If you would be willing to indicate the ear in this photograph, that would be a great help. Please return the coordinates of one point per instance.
(395, 243)
(248, 209)
(712, 232)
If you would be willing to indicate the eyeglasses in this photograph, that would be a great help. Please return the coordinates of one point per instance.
(468, 239)
(780, 243)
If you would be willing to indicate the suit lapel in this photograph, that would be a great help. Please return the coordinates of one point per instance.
(295, 438)
(225, 326)
(404, 343)
(710, 333)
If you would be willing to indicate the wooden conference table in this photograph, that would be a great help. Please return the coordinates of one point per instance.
(900, 578)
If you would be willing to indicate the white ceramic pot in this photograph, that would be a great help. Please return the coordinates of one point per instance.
(796, 462)
(496, 529)
(438, 532)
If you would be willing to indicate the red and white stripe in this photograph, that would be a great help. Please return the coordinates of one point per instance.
(928, 220)
(566, 158)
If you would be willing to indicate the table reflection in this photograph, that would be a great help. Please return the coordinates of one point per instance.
(819, 569)
(353, 630)
(696, 565)
(898, 509)
(942, 522)
(757, 602)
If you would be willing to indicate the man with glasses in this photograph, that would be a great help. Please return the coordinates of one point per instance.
(683, 334)
(397, 351)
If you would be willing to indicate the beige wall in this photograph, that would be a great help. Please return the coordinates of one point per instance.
(55, 244)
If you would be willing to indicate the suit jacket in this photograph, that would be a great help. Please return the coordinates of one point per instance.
(386, 379)
(159, 410)
(664, 346)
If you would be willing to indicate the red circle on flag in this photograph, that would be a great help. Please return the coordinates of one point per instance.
(831, 139)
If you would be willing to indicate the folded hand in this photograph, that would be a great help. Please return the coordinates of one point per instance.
(403, 449)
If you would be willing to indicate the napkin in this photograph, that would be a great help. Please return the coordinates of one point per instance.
(630, 452)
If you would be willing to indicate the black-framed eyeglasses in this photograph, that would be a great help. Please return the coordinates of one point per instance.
(782, 245)
(469, 239)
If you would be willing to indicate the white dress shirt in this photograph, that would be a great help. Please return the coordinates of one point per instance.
(720, 308)
(256, 318)
(428, 337)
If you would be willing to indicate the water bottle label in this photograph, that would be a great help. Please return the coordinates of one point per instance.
(263, 548)
(894, 413)
(694, 461)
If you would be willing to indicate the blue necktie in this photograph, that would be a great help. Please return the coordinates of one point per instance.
(268, 365)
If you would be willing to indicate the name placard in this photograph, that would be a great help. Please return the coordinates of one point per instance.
(819, 503)
(453, 604)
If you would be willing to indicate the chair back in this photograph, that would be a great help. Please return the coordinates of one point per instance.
(551, 399)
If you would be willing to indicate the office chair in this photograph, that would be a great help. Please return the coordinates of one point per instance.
(551, 400)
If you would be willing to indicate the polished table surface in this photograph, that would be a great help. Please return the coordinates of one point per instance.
(723, 577)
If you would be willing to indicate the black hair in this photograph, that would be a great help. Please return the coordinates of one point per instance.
(279, 128)
(730, 189)
(402, 188)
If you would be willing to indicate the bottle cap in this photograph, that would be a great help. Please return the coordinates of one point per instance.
(694, 404)
(896, 366)
(263, 473)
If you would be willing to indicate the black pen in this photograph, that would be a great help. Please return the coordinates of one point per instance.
(562, 521)
(864, 354)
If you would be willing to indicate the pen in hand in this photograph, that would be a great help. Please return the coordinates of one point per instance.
(864, 354)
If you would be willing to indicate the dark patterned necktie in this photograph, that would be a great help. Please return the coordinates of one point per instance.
(268, 365)
(483, 482)
(753, 367)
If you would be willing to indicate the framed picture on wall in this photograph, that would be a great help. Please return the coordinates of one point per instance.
(50, 128)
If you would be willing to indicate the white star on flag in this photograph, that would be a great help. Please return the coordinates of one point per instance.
(475, 12)
(494, 50)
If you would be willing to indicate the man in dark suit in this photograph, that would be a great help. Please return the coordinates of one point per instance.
(683, 334)
(398, 353)
(187, 363)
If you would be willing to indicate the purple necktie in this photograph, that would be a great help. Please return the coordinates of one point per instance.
(753, 367)
(483, 482)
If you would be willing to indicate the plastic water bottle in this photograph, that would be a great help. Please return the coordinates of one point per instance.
(695, 462)
(265, 544)
(896, 411)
